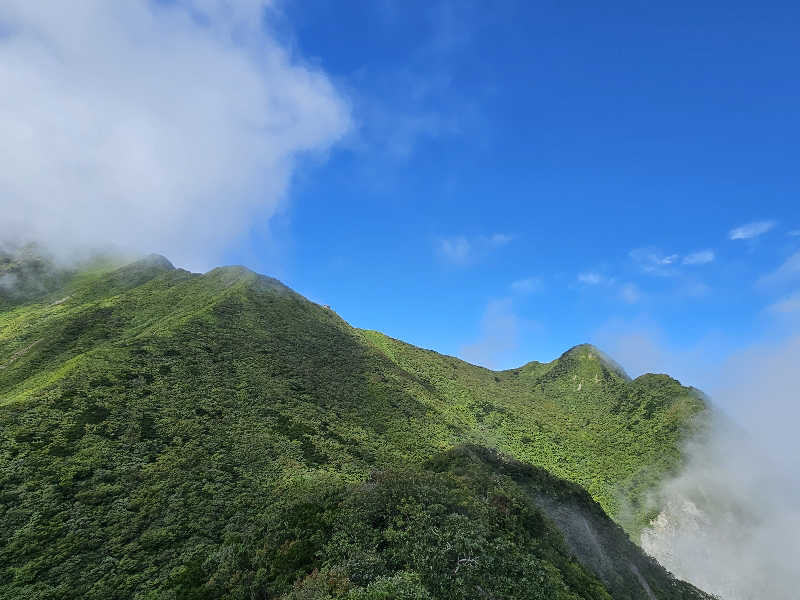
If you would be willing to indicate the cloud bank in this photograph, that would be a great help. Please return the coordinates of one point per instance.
(152, 126)
(730, 521)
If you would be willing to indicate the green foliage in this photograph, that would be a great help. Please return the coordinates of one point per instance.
(469, 524)
(167, 434)
(580, 417)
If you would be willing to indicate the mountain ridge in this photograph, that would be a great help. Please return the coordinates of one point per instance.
(168, 398)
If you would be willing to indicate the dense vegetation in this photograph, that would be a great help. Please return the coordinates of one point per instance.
(169, 434)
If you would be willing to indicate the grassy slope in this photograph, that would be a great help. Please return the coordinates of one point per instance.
(148, 413)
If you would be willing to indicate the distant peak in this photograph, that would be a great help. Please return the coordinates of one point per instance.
(237, 273)
(156, 260)
(234, 270)
(581, 349)
(593, 353)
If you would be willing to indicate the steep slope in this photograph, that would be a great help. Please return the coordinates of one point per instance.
(469, 523)
(151, 417)
(579, 416)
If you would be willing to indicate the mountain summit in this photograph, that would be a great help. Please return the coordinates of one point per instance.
(166, 434)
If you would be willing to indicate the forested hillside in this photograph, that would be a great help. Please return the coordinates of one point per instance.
(169, 434)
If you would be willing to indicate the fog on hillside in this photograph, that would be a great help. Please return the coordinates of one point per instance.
(730, 522)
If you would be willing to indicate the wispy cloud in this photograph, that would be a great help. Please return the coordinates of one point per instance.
(592, 278)
(654, 262)
(528, 285)
(500, 328)
(398, 131)
(752, 230)
(405, 105)
(790, 305)
(794, 233)
(455, 250)
(461, 250)
(701, 257)
(630, 293)
(500, 239)
(787, 273)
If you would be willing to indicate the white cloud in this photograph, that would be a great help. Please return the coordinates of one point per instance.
(461, 250)
(527, 286)
(751, 230)
(731, 520)
(731, 523)
(163, 127)
(701, 257)
(654, 262)
(794, 232)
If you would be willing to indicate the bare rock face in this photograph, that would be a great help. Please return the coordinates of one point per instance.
(677, 518)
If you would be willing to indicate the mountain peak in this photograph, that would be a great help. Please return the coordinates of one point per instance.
(157, 261)
(232, 274)
(584, 350)
(590, 353)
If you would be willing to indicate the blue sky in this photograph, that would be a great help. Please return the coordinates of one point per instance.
(498, 182)
(533, 176)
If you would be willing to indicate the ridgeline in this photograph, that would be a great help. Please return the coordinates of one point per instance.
(166, 434)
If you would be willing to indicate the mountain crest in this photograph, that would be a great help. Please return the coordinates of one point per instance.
(195, 408)
(588, 354)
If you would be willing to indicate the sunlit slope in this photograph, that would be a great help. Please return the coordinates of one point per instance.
(149, 416)
(579, 416)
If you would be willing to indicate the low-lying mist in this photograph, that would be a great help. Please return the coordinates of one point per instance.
(730, 522)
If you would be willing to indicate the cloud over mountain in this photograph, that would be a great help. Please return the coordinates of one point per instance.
(152, 126)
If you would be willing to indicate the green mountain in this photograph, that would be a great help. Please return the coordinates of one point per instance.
(165, 434)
